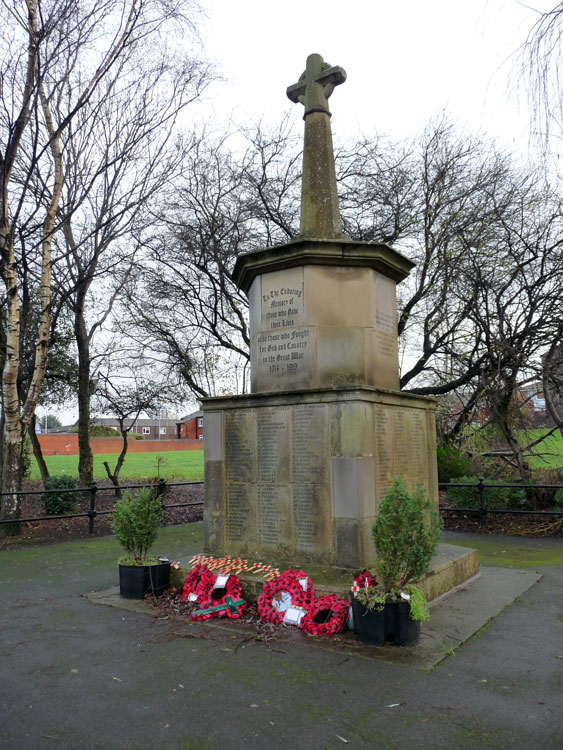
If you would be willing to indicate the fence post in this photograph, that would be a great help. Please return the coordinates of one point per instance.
(482, 509)
(92, 510)
(160, 490)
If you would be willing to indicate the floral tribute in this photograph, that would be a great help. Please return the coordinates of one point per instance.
(326, 615)
(215, 598)
(192, 582)
(334, 612)
(296, 583)
(231, 607)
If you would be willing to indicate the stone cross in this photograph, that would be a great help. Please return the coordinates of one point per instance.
(320, 216)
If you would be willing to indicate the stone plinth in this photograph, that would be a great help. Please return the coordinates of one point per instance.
(323, 314)
(295, 478)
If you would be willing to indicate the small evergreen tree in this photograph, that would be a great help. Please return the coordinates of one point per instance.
(406, 533)
(135, 523)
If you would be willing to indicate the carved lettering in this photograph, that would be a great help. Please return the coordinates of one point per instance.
(240, 441)
(270, 518)
(304, 516)
(238, 512)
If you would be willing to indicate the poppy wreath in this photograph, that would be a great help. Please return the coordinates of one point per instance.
(206, 600)
(288, 581)
(192, 581)
(335, 622)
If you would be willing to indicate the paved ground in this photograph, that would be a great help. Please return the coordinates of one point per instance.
(77, 675)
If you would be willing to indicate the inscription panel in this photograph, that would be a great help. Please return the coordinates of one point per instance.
(285, 354)
(240, 526)
(240, 445)
(419, 448)
(401, 444)
(386, 338)
(384, 444)
(283, 345)
(311, 518)
(304, 517)
(274, 515)
(309, 454)
(282, 300)
(273, 444)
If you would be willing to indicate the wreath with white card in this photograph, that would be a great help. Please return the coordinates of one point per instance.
(286, 598)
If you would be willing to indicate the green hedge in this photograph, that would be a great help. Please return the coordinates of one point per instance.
(451, 463)
(62, 502)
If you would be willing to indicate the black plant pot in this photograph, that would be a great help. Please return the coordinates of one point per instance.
(369, 624)
(404, 631)
(391, 624)
(137, 580)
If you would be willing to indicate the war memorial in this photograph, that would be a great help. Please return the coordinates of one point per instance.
(295, 470)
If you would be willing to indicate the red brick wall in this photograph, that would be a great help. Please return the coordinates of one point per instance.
(67, 445)
(191, 430)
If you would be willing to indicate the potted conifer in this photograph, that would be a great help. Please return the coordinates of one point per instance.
(406, 533)
(135, 522)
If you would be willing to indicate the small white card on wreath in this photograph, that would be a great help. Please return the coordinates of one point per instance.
(221, 582)
(294, 615)
(192, 597)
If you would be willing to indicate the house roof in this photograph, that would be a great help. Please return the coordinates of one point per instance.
(190, 416)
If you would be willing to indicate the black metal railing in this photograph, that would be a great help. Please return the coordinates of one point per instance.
(481, 485)
(93, 492)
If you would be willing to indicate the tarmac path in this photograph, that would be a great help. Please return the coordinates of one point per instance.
(77, 675)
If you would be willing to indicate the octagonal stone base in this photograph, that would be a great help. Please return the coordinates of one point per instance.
(294, 479)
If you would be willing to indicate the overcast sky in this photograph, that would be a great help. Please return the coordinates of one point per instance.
(406, 61)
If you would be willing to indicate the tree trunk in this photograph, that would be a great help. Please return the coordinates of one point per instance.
(114, 476)
(85, 457)
(37, 452)
(10, 506)
(505, 407)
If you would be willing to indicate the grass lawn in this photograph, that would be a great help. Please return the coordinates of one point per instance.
(551, 450)
(175, 465)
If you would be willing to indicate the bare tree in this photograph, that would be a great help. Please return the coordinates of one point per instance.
(481, 304)
(117, 166)
(540, 71)
(552, 378)
(183, 305)
(62, 54)
(125, 393)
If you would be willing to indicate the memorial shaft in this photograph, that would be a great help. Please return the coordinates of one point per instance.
(320, 215)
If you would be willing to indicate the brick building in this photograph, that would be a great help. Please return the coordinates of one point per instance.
(190, 427)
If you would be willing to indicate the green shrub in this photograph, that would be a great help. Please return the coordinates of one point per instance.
(405, 533)
(135, 522)
(451, 463)
(61, 502)
(496, 498)
(559, 498)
